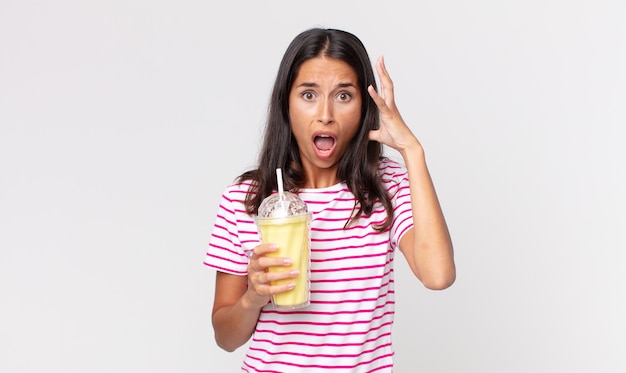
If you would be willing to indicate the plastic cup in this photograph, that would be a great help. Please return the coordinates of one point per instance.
(283, 220)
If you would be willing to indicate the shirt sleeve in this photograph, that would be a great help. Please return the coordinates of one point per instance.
(397, 181)
(225, 252)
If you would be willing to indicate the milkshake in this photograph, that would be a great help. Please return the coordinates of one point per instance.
(283, 220)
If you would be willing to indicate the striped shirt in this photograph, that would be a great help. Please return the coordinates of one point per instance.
(347, 326)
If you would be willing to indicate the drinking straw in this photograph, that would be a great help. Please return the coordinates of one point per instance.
(282, 207)
(279, 176)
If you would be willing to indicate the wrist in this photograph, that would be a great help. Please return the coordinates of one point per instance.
(413, 150)
(253, 302)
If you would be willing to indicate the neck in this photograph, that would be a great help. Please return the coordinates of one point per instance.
(321, 178)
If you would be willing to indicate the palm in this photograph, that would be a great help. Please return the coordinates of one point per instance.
(393, 131)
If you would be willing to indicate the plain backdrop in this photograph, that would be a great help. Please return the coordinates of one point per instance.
(121, 122)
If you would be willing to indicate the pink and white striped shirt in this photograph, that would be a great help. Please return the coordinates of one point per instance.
(347, 327)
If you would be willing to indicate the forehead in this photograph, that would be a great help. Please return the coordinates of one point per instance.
(321, 69)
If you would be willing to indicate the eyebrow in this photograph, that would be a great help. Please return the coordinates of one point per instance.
(312, 84)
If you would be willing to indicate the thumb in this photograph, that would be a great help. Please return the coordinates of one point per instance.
(374, 135)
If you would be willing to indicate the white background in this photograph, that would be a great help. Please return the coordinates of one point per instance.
(121, 122)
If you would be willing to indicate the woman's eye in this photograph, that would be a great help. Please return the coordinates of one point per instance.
(344, 96)
(308, 95)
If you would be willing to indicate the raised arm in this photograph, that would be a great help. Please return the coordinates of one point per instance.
(427, 247)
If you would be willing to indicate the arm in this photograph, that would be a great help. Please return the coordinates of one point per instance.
(233, 318)
(239, 299)
(427, 246)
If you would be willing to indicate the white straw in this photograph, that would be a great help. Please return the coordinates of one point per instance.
(279, 176)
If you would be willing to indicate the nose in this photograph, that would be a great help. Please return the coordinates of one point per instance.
(325, 112)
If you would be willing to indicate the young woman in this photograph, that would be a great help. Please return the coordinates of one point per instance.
(326, 127)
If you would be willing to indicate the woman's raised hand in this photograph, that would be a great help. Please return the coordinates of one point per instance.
(393, 131)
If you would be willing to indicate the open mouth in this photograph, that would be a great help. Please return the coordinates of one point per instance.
(324, 143)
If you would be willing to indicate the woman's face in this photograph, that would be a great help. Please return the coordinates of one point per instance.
(324, 112)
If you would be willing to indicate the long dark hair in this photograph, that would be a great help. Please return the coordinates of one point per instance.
(358, 167)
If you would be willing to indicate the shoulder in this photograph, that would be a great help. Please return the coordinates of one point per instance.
(393, 176)
(391, 169)
(239, 189)
(234, 195)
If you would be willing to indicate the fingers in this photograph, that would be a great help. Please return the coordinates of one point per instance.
(258, 259)
(393, 129)
(386, 84)
(265, 282)
(384, 98)
(269, 283)
(378, 100)
(375, 135)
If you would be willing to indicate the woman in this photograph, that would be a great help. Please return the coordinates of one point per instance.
(326, 127)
